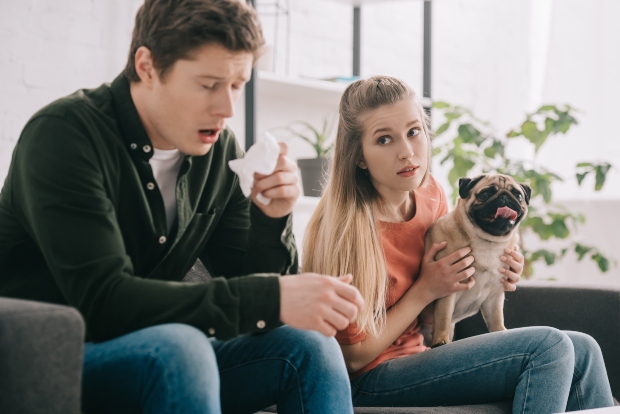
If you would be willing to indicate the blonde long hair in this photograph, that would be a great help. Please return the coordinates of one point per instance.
(343, 235)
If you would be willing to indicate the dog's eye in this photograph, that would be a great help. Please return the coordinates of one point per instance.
(518, 195)
(485, 195)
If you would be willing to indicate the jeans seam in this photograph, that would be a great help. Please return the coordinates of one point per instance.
(532, 363)
(527, 389)
(297, 376)
(436, 378)
(578, 395)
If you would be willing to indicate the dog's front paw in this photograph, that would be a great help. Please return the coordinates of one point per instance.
(438, 344)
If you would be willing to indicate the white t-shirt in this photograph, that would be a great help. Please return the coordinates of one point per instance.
(166, 165)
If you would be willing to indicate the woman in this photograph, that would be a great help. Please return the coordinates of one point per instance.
(378, 203)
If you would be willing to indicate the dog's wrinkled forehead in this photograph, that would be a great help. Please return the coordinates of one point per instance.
(497, 181)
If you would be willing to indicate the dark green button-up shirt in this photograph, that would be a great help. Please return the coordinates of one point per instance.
(79, 226)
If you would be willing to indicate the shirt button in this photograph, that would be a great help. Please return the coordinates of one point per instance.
(133, 146)
(150, 186)
(162, 240)
(260, 324)
(146, 148)
(211, 331)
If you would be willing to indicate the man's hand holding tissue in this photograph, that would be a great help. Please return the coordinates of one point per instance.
(321, 303)
(282, 187)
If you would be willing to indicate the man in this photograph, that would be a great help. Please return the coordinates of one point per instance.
(114, 193)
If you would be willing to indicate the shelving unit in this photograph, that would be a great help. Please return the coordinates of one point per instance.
(312, 90)
(316, 92)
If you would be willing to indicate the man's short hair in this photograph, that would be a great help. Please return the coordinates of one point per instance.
(173, 29)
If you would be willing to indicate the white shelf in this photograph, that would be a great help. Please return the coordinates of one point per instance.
(300, 89)
(362, 2)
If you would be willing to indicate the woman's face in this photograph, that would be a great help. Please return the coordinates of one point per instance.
(395, 148)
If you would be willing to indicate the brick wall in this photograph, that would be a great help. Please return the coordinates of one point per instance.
(52, 48)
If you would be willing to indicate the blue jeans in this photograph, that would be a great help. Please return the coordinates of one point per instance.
(176, 369)
(543, 370)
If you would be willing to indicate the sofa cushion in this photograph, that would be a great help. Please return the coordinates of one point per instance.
(41, 349)
(492, 408)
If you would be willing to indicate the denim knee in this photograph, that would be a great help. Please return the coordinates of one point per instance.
(556, 343)
(317, 352)
(587, 352)
(181, 346)
(584, 344)
(167, 368)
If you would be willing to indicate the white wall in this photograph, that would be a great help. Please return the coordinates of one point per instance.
(52, 48)
(500, 58)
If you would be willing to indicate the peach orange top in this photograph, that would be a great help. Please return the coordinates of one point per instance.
(403, 246)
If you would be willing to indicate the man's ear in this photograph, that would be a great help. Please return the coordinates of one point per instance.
(143, 62)
(528, 192)
(467, 184)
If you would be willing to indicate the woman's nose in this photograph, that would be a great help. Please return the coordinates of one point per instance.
(405, 150)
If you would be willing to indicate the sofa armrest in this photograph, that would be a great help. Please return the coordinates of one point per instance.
(591, 309)
(41, 352)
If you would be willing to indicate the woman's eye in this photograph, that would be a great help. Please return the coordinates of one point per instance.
(209, 87)
(413, 132)
(384, 140)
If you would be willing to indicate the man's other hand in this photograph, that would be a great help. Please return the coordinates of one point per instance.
(282, 187)
(322, 303)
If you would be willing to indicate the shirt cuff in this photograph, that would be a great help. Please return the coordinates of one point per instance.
(259, 307)
(260, 219)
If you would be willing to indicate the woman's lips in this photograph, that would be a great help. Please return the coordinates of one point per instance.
(408, 171)
(209, 136)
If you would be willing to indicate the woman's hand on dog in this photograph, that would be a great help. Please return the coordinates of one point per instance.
(453, 273)
(512, 273)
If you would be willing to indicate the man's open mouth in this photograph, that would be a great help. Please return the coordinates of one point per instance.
(208, 132)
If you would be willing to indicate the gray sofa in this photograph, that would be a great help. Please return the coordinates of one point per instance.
(41, 348)
(41, 345)
(594, 310)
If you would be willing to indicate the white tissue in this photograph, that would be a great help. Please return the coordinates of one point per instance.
(261, 158)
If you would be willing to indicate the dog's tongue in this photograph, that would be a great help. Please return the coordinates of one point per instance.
(506, 212)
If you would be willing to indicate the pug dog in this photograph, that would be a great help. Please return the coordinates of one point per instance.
(486, 218)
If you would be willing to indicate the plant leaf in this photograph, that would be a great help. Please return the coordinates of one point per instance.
(440, 105)
(443, 128)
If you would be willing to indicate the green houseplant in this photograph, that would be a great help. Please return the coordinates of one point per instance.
(313, 169)
(470, 146)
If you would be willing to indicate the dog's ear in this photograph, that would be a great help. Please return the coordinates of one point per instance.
(466, 185)
(528, 192)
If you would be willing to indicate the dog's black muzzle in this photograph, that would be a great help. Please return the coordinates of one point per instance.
(486, 215)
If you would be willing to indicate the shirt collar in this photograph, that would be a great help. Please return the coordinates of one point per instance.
(133, 132)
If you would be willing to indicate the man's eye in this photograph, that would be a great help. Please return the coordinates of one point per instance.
(384, 140)
(413, 132)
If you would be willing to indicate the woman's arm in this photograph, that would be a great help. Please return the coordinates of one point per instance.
(437, 279)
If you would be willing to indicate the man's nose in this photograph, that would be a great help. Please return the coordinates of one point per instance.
(224, 105)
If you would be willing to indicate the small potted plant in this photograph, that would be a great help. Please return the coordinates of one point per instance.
(313, 169)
